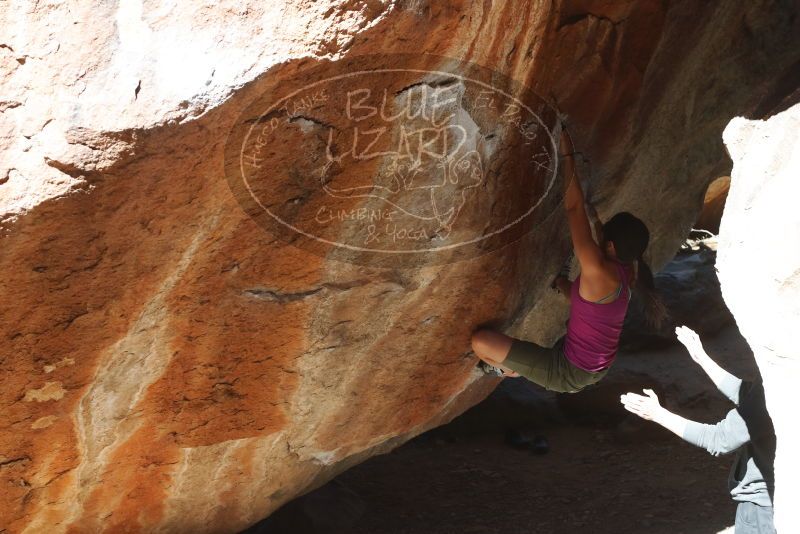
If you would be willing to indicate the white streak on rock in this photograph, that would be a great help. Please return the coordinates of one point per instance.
(105, 416)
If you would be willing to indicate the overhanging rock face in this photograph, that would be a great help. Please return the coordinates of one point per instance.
(173, 360)
(759, 271)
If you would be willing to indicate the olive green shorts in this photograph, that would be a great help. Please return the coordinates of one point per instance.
(549, 367)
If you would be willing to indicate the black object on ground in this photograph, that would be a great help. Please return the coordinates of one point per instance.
(540, 445)
(525, 441)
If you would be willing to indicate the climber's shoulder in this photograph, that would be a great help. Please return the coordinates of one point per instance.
(590, 256)
(600, 278)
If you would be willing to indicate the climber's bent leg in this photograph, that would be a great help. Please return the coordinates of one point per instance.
(547, 367)
(491, 347)
(538, 364)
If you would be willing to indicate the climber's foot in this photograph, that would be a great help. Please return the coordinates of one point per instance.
(490, 369)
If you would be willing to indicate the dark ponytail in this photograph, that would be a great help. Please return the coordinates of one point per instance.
(655, 312)
(631, 237)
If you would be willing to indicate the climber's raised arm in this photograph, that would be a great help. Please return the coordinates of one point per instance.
(595, 221)
(589, 254)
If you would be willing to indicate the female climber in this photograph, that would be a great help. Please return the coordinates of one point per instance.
(599, 299)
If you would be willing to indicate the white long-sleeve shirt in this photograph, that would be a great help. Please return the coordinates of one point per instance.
(748, 430)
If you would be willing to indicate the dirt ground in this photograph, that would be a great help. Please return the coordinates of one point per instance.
(605, 472)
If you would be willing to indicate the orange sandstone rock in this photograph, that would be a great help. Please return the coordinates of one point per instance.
(172, 364)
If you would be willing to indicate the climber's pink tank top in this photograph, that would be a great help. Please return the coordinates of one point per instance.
(593, 330)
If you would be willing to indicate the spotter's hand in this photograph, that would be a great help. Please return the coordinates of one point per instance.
(691, 341)
(645, 406)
